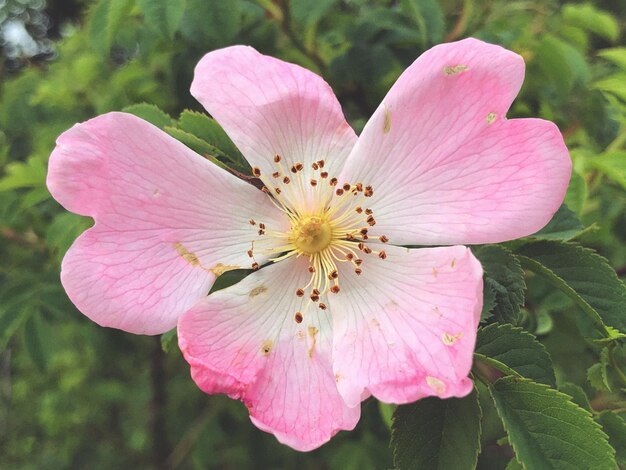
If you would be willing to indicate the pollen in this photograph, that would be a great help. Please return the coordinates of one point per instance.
(330, 225)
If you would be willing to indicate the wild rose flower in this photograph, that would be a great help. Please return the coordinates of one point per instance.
(341, 309)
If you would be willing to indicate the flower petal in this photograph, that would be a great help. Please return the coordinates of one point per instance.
(245, 341)
(445, 164)
(271, 107)
(167, 222)
(406, 327)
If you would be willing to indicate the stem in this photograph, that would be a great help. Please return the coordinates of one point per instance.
(281, 14)
(159, 436)
(461, 24)
(614, 365)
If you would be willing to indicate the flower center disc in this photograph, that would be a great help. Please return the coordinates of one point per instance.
(311, 234)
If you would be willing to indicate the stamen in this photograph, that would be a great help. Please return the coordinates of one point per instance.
(256, 171)
(383, 239)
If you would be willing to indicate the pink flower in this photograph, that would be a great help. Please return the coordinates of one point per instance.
(347, 312)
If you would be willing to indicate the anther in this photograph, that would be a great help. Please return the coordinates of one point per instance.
(358, 209)
(276, 174)
(262, 226)
(358, 271)
(294, 169)
(335, 289)
(278, 191)
(370, 220)
(311, 269)
(256, 171)
(333, 275)
(322, 306)
(349, 256)
(261, 232)
(255, 266)
(358, 261)
(324, 174)
(276, 158)
(314, 297)
(300, 293)
(286, 180)
(333, 182)
(382, 254)
(313, 183)
(361, 246)
(320, 163)
(363, 231)
(383, 239)
(298, 317)
(251, 222)
(369, 191)
(369, 211)
(349, 236)
(346, 187)
(315, 292)
(315, 166)
(339, 192)
(265, 189)
(359, 187)
(367, 250)
(250, 253)
(299, 166)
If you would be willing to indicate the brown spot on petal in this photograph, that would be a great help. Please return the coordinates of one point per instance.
(257, 290)
(453, 263)
(454, 69)
(449, 339)
(313, 331)
(436, 384)
(220, 268)
(187, 255)
(491, 117)
(266, 347)
(387, 123)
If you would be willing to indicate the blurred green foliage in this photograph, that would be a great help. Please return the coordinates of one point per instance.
(74, 395)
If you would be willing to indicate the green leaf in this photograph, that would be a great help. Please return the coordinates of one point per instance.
(163, 16)
(310, 11)
(517, 349)
(562, 65)
(437, 434)
(37, 340)
(617, 55)
(597, 374)
(615, 427)
(563, 226)
(577, 393)
(576, 195)
(151, 113)
(167, 339)
(29, 174)
(211, 23)
(196, 144)
(505, 276)
(583, 275)
(613, 84)
(386, 411)
(428, 17)
(611, 164)
(588, 17)
(207, 129)
(547, 430)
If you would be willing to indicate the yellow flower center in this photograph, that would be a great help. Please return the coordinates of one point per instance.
(311, 234)
(329, 226)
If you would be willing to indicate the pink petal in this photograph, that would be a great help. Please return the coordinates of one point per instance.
(445, 164)
(271, 107)
(244, 341)
(406, 327)
(167, 222)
